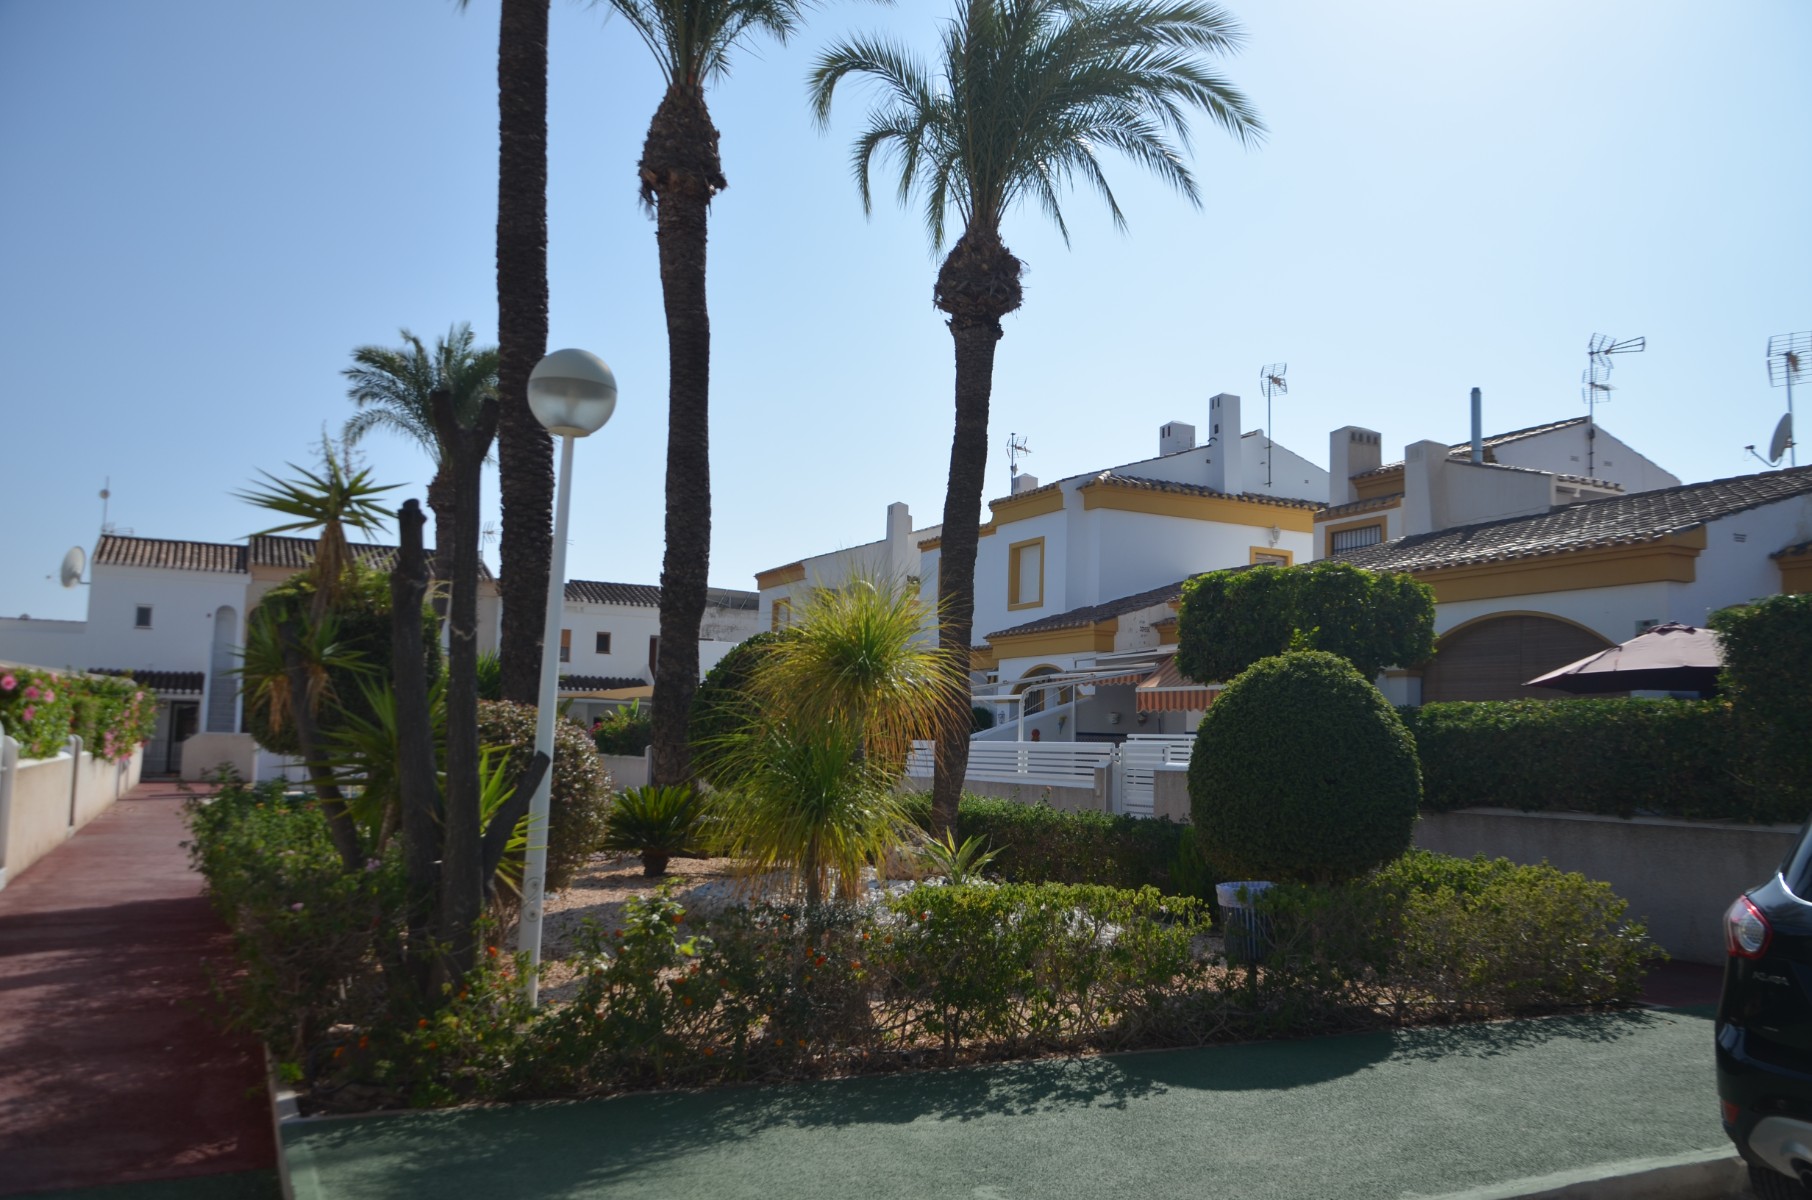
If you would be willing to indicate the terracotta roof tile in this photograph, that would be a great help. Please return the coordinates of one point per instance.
(1348, 509)
(1109, 479)
(1490, 443)
(647, 595)
(1078, 618)
(296, 553)
(1614, 520)
(1796, 550)
(117, 551)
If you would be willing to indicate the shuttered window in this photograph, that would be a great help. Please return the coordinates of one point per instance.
(1352, 539)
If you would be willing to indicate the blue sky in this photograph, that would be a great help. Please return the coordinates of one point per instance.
(208, 203)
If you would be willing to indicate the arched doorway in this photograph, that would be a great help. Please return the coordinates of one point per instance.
(1489, 659)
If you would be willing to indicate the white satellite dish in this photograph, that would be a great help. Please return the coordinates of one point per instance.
(74, 563)
(1783, 438)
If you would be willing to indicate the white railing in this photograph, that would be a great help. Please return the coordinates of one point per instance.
(1035, 764)
(1135, 781)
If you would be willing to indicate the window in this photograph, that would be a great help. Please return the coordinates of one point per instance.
(1025, 574)
(1261, 556)
(1354, 537)
(566, 645)
(603, 643)
(782, 614)
(141, 619)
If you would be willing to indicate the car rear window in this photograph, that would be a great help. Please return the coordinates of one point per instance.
(1797, 870)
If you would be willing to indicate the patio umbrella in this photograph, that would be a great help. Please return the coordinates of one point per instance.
(1666, 658)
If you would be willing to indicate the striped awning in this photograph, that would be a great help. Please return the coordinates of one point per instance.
(1165, 690)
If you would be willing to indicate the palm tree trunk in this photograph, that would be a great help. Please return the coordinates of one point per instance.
(440, 503)
(525, 452)
(975, 341)
(680, 170)
(977, 285)
(417, 773)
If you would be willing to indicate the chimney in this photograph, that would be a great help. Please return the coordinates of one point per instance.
(1024, 483)
(1424, 496)
(1175, 437)
(1478, 427)
(902, 555)
(1351, 450)
(1224, 468)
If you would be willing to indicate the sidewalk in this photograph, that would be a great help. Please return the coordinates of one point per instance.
(1498, 1109)
(114, 1071)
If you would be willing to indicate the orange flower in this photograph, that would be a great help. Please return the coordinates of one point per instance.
(710, 1050)
(364, 1042)
(422, 1024)
(433, 1045)
(339, 1050)
(686, 1000)
(491, 950)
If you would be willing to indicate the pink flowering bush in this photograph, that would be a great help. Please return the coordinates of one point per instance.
(40, 709)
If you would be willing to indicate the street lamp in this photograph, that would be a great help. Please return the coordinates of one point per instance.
(572, 393)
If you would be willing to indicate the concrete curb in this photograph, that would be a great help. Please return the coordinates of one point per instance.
(1697, 1175)
(284, 1111)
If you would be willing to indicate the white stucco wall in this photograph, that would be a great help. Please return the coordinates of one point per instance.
(1564, 451)
(42, 643)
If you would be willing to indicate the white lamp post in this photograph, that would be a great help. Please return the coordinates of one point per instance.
(573, 394)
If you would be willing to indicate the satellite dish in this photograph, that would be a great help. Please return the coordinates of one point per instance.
(74, 563)
(1783, 438)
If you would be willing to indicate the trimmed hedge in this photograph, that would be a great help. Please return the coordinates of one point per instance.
(1675, 758)
(1767, 646)
(578, 805)
(1040, 844)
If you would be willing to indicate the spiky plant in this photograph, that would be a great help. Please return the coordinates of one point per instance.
(657, 823)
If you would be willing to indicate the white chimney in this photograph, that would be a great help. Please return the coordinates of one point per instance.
(1424, 496)
(1351, 450)
(1224, 473)
(1175, 438)
(902, 555)
(1024, 483)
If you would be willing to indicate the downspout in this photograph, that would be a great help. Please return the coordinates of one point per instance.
(1478, 428)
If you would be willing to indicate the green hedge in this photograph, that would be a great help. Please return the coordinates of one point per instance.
(1766, 647)
(1675, 758)
(1040, 844)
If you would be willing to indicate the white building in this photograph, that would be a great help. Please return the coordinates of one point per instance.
(610, 637)
(895, 556)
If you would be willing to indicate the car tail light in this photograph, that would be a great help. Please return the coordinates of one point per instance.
(1746, 930)
(1730, 1111)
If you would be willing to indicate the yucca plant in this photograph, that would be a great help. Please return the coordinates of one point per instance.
(962, 863)
(658, 822)
(333, 500)
(835, 705)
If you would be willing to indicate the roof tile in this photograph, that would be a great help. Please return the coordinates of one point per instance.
(115, 550)
(1615, 520)
(647, 595)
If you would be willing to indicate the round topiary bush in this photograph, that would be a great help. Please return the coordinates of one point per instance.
(579, 805)
(721, 708)
(1303, 771)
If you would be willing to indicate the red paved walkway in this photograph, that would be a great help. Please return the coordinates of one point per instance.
(111, 1069)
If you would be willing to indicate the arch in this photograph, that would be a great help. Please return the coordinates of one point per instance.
(1489, 658)
(1036, 698)
(223, 688)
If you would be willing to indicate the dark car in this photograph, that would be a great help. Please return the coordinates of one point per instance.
(1764, 1029)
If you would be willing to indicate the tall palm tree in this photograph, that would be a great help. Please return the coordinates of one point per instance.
(1027, 93)
(680, 172)
(392, 386)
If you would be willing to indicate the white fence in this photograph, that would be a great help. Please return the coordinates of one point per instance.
(1131, 765)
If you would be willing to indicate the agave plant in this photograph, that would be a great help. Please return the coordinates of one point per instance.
(658, 822)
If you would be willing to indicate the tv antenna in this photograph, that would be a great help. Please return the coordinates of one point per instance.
(1016, 450)
(1271, 383)
(1787, 354)
(1595, 384)
(486, 536)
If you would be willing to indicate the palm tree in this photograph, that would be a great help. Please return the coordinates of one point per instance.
(525, 452)
(680, 172)
(1028, 93)
(392, 387)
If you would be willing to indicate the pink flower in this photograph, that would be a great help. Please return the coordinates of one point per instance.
(296, 907)
(8, 683)
(31, 691)
(29, 712)
(50, 697)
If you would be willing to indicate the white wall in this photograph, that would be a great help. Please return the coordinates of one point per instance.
(630, 628)
(42, 643)
(1564, 451)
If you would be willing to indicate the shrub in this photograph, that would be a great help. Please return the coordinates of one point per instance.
(1035, 843)
(1766, 646)
(1229, 620)
(657, 823)
(1302, 770)
(721, 708)
(362, 637)
(626, 730)
(1676, 758)
(579, 804)
(40, 709)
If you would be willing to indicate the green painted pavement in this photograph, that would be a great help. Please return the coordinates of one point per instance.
(1388, 1115)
